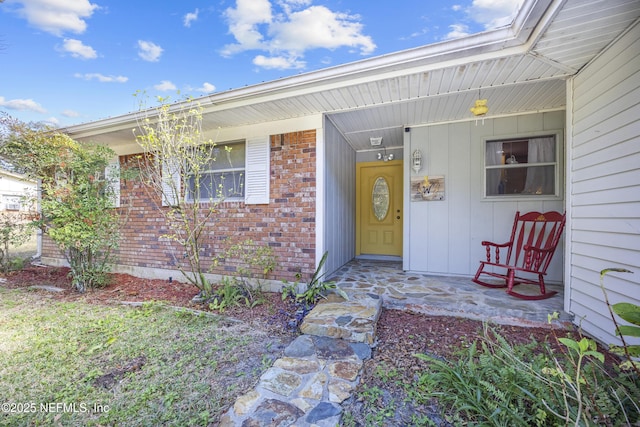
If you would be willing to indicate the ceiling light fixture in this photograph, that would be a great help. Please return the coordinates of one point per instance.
(385, 157)
(480, 108)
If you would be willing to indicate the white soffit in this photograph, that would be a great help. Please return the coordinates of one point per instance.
(519, 69)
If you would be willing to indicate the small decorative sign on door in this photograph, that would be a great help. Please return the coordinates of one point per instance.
(427, 188)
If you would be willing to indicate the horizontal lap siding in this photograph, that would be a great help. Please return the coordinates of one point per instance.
(605, 184)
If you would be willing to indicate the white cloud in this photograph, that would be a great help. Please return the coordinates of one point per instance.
(494, 13)
(21, 105)
(457, 31)
(319, 27)
(77, 49)
(206, 88)
(102, 78)
(149, 51)
(490, 14)
(286, 36)
(165, 86)
(278, 62)
(56, 16)
(244, 23)
(190, 17)
(70, 113)
(52, 121)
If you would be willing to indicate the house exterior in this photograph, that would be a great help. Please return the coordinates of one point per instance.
(562, 85)
(13, 190)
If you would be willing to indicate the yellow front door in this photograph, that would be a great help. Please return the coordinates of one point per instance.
(379, 208)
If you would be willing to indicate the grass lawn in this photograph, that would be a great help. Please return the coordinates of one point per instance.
(77, 364)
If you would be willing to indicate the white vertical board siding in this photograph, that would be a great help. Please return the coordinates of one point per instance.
(605, 184)
(444, 236)
(340, 186)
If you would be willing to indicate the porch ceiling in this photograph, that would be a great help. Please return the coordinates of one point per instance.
(519, 69)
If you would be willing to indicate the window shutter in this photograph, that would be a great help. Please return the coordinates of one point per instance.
(112, 177)
(171, 181)
(257, 171)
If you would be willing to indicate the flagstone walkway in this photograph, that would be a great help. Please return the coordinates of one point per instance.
(320, 369)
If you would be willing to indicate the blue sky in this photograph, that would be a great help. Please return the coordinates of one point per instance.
(67, 62)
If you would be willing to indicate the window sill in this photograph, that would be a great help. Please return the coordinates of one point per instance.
(521, 198)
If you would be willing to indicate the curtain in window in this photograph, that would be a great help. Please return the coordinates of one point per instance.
(493, 157)
(540, 179)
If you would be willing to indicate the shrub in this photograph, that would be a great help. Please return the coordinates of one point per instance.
(77, 198)
(15, 230)
(495, 383)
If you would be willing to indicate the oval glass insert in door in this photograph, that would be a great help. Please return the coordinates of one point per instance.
(380, 198)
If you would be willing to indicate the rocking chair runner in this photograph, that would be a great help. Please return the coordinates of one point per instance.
(534, 238)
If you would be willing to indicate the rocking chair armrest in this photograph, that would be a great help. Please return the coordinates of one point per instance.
(497, 245)
(493, 250)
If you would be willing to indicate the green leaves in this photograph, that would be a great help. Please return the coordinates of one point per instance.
(584, 347)
(630, 313)
(76, 200)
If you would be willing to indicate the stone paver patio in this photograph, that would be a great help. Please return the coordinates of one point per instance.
(321, 368)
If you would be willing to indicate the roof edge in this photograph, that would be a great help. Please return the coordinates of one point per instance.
(530, 17)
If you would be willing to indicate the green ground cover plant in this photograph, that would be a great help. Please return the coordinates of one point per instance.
(495, 383)
(80, 364)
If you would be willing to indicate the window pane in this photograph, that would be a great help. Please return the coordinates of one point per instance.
(526, 180)
(218, 185)
(223, 177)
(228, 156)
(522, 166)
(380, 198)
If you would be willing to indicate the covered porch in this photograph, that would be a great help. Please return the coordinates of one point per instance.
(444, 295)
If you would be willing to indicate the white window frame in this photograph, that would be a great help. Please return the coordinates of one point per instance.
(12, 202)
(558, 167)
(257, 173)
(221, 147)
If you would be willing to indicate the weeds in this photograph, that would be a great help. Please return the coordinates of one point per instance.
(495, 383)
(301, 303)
(138, 366)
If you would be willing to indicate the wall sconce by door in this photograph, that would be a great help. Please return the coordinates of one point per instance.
(416, 161)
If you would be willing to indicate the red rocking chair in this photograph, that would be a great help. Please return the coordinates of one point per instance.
(534, 238)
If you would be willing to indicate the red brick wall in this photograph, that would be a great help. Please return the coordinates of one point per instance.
(286, 224)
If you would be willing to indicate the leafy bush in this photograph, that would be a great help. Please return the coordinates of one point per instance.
(77, 198)
(627, 312)
(303, 302)
(495, 383)
(233, 293)
(15, 229)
